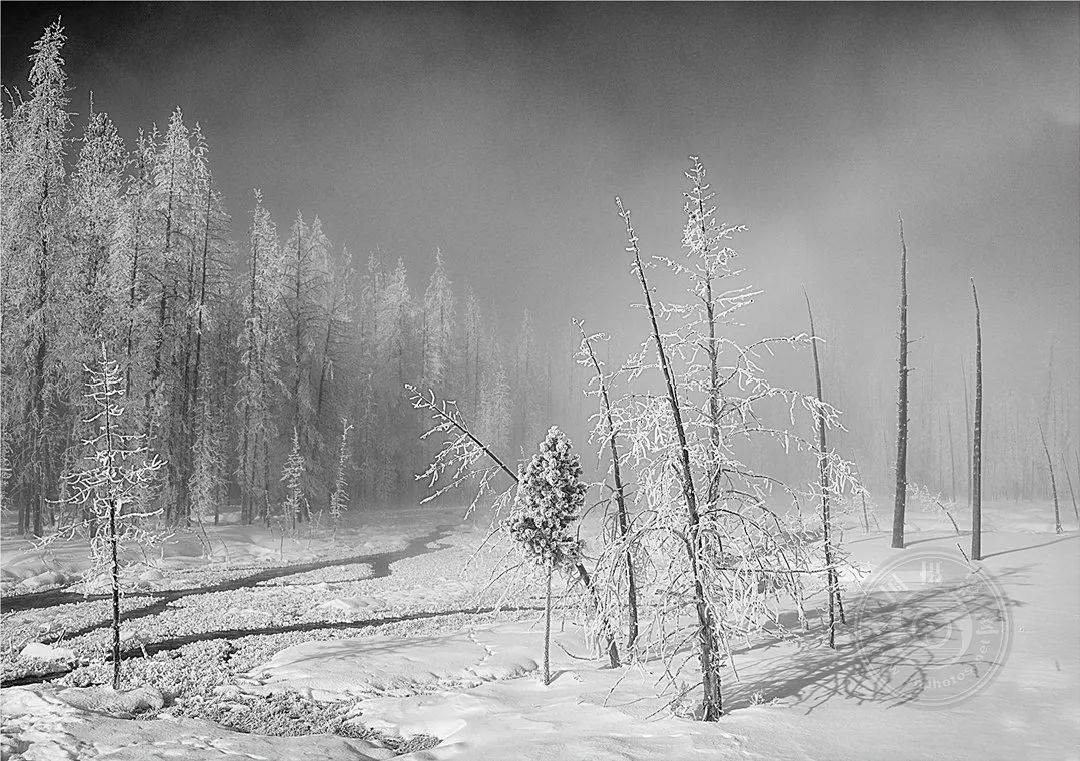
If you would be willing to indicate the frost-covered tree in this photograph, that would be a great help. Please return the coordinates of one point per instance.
(472, 360)
(35, 193)
(111, 486)
(438, 320)
(303, 285)
(495, 413)
(530, 384)
(258, 364)
(94, 222)
(394, 326)
(549, 497)
(292, 477)
(336, 358)
(339, 497)
(207, 479)
(396, 364)
(129, 267)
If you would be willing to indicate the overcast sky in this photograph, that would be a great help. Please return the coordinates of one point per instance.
(501, 133)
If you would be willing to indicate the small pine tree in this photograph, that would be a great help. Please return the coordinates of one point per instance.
(112, 486)
(293, 479)
(339, 498)
(550, 494)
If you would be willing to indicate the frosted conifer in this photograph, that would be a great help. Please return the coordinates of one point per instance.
(339, 498)
(550, 494)
(293, 479)
(547, 503)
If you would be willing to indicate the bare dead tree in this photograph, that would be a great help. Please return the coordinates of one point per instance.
(976, 438)
(1072, 494)
(833, 591)
(901, 402)
(609, 433)
(1053, 482)
(967, 426)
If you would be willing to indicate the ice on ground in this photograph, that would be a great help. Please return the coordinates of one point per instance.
(337, 669)
(27, 566)
(402, 600)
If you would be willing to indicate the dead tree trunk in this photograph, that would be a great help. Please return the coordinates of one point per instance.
(709, 647)
(967, 426)
(901, 403)
(620, 499)
(1072, 494)
(976, 438)
(1053, 483)
(832, 585)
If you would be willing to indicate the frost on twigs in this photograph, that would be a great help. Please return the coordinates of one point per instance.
(109, 494)
(462, 458)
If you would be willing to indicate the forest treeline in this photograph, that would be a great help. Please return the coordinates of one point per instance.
(231, 347)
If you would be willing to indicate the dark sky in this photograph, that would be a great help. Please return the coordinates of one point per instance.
(501, 133)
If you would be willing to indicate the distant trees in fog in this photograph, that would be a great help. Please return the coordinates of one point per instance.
(237, 356)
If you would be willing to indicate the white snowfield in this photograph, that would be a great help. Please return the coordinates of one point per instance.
(476, 688)
(339, 669)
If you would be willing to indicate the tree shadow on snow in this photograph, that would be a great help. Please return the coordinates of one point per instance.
(895, 648)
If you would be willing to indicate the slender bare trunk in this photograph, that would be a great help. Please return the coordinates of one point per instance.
(547, 631)
(1072, 494)
(832, 584)
(1053, 482)
(901, 403)
(976, 447)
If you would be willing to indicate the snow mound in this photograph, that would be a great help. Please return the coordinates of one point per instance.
(337, 669)
(123, 704)
(42, 652)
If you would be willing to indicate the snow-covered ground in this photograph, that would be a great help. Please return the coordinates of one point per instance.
(404, 662)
